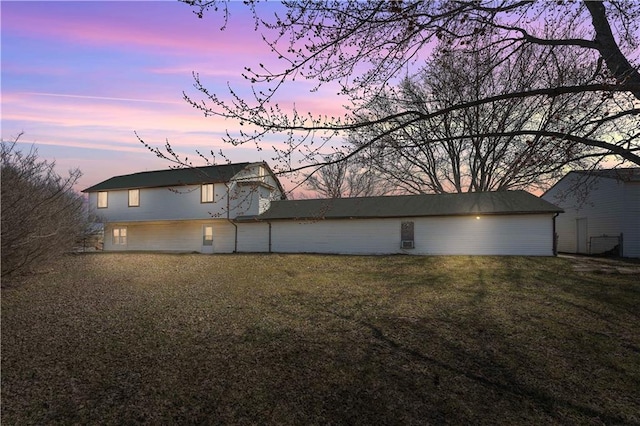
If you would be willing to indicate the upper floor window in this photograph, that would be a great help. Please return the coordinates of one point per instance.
(207, 193)
(134, 198)
(102, 199)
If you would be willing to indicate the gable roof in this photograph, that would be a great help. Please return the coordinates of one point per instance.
(171, 177)
(472, 203)
(631, 174)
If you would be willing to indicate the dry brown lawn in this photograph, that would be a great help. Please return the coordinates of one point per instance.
(304, 339)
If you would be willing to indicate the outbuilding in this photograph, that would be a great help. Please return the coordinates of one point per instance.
(481, 223)
(602, 211)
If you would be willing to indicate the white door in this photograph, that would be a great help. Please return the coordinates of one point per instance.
(207, 239)
(581, 236)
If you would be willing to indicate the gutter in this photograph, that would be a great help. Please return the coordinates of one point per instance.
(554, 235)
(235, 242)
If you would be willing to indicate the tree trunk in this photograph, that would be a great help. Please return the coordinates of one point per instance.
(606, 44)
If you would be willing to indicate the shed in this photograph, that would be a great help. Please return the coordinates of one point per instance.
(602, 211)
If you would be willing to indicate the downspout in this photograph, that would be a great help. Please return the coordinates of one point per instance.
(235, 242)
(269, 236)
(554, 235)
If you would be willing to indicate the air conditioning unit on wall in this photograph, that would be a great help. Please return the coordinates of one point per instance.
(407, 244)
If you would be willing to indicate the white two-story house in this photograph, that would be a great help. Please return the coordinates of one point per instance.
(241, 208)
(189, 209)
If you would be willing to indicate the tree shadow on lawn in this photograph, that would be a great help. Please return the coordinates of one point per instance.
(489, 358)
(425, 341)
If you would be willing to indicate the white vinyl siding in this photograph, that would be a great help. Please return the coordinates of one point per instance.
(253, 237)
(191, 202)
(631, 220)
(529, 235)
(178, 203)
(489, 235)
(134, 198)
(178, 236)
(610, 207)
(103, 199)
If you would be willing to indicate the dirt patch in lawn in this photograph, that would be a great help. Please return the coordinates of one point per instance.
(603, 265)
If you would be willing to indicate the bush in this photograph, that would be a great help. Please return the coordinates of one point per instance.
(42, 216)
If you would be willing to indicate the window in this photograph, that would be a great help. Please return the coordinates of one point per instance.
(207, 193)
(134, 198)
(102, 200)
(406, 235)
(119, 236)
(207, 235)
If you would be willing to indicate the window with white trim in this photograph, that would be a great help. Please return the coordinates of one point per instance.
(119, 236)
(207, 235)
(207, 193)
(134, 198)
(103, 199)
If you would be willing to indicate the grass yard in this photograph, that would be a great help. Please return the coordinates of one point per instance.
(302, 339)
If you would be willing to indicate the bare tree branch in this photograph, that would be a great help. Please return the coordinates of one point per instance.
(364, 46)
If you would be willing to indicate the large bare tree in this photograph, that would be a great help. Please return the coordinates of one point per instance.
(501, 145)
(364, 46)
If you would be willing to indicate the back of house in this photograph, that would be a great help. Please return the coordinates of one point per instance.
(242, 208)
(181, 209)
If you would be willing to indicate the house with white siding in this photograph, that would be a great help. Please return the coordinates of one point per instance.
(242, 208)
(189, 209)
(602, 211)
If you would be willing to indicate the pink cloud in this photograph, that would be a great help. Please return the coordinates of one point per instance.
(134, 25)
(95, 123)
(94, 107)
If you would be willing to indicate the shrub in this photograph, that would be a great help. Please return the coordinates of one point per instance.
(42, 216)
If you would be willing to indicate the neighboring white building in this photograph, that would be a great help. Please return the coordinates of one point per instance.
(188, 209)
(241, 208)
(602, 211)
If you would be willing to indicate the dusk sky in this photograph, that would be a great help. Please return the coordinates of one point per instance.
(78, 78)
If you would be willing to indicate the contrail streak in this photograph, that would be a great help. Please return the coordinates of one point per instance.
(103, 98)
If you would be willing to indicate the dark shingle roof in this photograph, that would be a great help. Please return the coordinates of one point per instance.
(171, 177)
(506, 202)
(631, 174)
